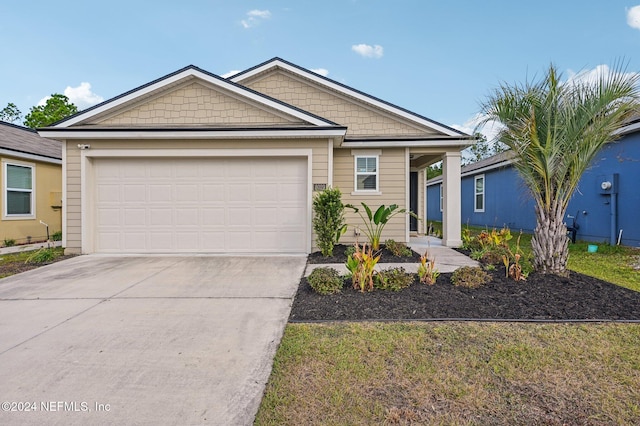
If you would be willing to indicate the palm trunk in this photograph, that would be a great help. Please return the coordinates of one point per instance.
(550, 243)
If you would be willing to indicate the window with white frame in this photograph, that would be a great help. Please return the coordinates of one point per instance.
(478, 193)
(366, 178)
(18, 189)
(441, 197)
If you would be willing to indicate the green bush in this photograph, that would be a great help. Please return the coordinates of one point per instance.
(57, 236)
(394, 279)
(328, 219)
(43, 255)
(9, 242)
(470, 277)
(398, 249)
(325, 280)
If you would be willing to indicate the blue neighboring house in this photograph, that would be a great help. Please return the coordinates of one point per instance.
(606, 203)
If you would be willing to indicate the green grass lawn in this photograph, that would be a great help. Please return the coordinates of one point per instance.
(455, 374)
(464, 373)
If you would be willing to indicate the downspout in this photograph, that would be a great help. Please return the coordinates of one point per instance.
(614, 217)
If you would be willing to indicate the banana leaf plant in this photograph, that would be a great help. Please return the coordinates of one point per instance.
(374, 223)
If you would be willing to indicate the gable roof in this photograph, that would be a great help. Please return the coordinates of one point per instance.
(179, 76)
(277, 62)
(26, 143)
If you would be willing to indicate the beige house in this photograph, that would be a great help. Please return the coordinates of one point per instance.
(193, 162)
(31, 185)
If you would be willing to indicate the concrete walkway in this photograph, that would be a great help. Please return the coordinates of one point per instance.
(144, 340)
(446, 258)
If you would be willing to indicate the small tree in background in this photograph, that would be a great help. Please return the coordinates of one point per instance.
(10, 113)
(55, 109)
(555, 129)
(328, 219)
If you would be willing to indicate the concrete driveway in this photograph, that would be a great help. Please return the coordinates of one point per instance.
(142, 340)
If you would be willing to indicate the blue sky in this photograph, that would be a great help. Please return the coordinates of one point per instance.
(436, 58)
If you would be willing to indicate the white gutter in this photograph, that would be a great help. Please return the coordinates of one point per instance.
(27, 156)
(189, 134)
(429, 143)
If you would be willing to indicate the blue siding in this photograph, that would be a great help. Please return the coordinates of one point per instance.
(622, 157)
(507, 200)
(433, 203)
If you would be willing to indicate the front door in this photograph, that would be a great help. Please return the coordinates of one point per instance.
(413, 200)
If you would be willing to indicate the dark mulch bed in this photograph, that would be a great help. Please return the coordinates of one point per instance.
(540, 297)
(339, 256)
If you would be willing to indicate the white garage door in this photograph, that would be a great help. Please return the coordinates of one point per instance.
(209, 205)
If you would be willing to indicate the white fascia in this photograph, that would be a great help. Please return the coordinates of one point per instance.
(202, 76)
(191, 134)
(347, 91)
(628, 129)
(27, 156)
(426, 143)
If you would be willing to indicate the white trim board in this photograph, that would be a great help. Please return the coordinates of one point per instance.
(190, 134)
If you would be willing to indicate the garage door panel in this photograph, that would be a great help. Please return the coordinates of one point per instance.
(108, 217)
(135, 193)
(135, 217)
(187, 192)
(213, 216)
(239, 217)
(108, 193)
(239, 192)
(189, 217)
(134, 241)
(239, 205)
(160, 216)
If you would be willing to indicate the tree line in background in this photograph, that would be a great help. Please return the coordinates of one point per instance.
(55, 109)
(480, 150)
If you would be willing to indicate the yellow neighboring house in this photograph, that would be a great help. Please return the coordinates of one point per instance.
(31, 185)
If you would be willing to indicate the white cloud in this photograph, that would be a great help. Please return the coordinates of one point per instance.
(80, 96)
(254, 17)
(592, 76)
(230, 73)
(633, 17)
(368, 51)
(322, 71)
(490, 129)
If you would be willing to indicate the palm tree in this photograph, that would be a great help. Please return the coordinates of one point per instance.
(555, 129)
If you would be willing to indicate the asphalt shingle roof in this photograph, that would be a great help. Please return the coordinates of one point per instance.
(25, 140)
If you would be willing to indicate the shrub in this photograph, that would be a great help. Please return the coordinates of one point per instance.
(394, 279)
(398, 249)
(469, 276)
(494, 256)
(9, 242)
(57, 236)
(375, 222)
(361, 266)
(349, 251)
(43, 255)
(328, 219)
(325, 280)
(427, 270)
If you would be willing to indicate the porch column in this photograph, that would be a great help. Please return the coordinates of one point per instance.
(451, 204)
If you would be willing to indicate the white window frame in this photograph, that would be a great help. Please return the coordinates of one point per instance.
(5, 189)
(441, 197)
(476, 193)
(357, 191)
